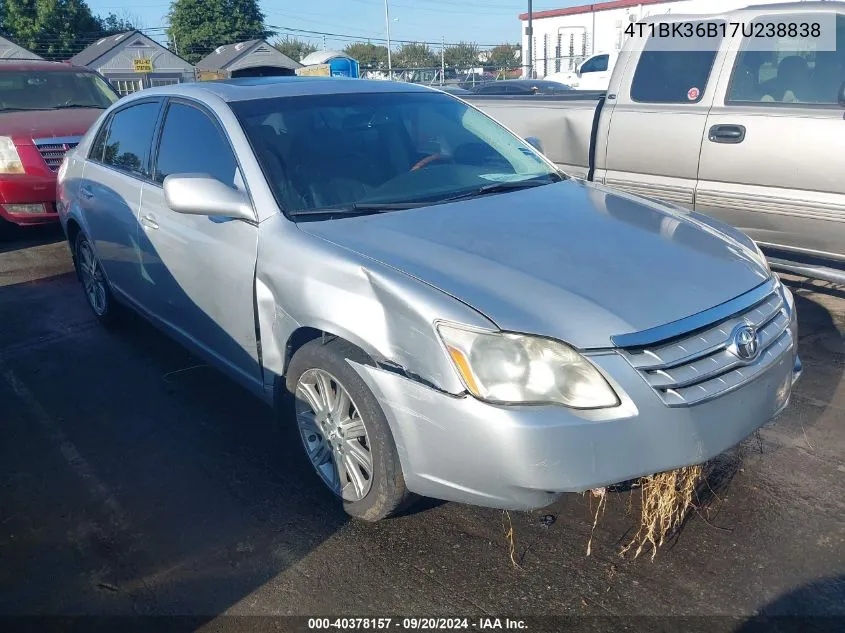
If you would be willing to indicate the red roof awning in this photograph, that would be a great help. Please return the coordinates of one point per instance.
(589, 8)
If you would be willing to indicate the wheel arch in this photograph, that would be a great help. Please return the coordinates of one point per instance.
(305, 334)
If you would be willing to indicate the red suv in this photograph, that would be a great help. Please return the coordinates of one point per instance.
(45, 108)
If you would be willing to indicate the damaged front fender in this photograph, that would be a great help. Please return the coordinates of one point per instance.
(303, 281)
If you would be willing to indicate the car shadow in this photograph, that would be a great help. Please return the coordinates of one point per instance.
(22, 237)
(134, 478)
(818, 606)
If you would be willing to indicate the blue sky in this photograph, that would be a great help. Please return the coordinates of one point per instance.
(481, 21)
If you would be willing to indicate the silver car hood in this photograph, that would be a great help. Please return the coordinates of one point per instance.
(572, 261)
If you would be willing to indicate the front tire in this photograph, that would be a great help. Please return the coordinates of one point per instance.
(94, 283)
(343, 432)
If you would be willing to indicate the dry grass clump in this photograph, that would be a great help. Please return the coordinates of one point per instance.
(667, 499)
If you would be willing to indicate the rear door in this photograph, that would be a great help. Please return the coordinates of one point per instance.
(657, 122)
(110, 194)
(199, 271)
(772, 162)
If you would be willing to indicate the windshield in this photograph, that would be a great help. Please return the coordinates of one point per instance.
(354, 150)
(51, 90)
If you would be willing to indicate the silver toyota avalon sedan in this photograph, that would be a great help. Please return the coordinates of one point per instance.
(431, 305)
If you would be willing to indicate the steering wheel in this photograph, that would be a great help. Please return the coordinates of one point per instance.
(431, 158)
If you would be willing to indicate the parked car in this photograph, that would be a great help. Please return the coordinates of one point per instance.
(521, 87)
(750, 137)
(452, 316)
(591, 74)
(45, 108)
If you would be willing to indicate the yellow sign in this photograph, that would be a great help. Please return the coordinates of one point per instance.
(317, 70)
(142, 65)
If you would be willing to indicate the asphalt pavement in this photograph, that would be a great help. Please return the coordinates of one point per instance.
(136, 481)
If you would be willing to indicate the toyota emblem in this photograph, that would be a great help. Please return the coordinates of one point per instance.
(746, 342)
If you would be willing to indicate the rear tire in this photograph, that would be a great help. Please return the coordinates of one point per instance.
(354, 433)
(94, 282)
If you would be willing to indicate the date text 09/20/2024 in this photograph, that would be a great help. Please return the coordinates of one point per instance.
(417, 624)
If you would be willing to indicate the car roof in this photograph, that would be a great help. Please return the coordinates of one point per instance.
(18, 65)
(248, 88)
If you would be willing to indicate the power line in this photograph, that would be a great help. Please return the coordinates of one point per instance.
(358, 38)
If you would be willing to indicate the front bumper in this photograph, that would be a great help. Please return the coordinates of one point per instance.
(522, 457)
(27, 189)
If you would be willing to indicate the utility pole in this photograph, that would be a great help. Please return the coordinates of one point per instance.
(387, 24)
(442, 60)
(530, 32)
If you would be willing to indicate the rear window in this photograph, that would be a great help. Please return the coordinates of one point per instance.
(672, 76)
(127, 145)
(53, 90)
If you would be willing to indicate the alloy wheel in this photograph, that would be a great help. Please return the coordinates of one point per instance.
(334, 435)
(93, 280)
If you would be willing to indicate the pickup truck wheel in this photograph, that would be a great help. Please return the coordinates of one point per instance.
(344, 432)
(90, 273)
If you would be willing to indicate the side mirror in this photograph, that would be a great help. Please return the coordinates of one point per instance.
(534, 142)
(842, 95)
(198, 194)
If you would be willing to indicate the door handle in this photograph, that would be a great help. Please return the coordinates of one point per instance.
(731, 134)
(149, 221)
(85, 192)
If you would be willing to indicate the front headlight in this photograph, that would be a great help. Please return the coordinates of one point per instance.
(10, 162)
(520, 369)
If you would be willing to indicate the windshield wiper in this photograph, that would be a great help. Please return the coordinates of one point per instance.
(361, 208)
(66, 106)
(507, 185)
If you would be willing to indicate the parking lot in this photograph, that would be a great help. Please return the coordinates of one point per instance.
(135, 480)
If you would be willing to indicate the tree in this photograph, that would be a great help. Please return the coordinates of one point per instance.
(294, 48)
(415, 55)
(461, 56)
(112, 23)
(370, 56)
(54, 29)
(197, 27)
(505, 56)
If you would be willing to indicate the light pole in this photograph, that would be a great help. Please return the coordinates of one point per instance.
(530, 32)
(387, 24)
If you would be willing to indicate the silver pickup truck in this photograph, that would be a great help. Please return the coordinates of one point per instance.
(749, 136)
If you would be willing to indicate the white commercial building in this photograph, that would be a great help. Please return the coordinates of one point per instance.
(564, 37)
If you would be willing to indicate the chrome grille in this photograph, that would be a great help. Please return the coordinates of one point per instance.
(53, 150)
(700, 366)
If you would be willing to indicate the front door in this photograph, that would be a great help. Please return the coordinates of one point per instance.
(772, 163)
(110, 194)
(198, 272)
(657, 123)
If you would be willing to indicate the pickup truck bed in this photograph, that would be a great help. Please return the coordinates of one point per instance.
(565, 124)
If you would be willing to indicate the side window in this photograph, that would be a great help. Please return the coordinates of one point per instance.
(191, 143)
(672, 76)
(128, 141)
(597, 64)
(99, 144)
(788, 74)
